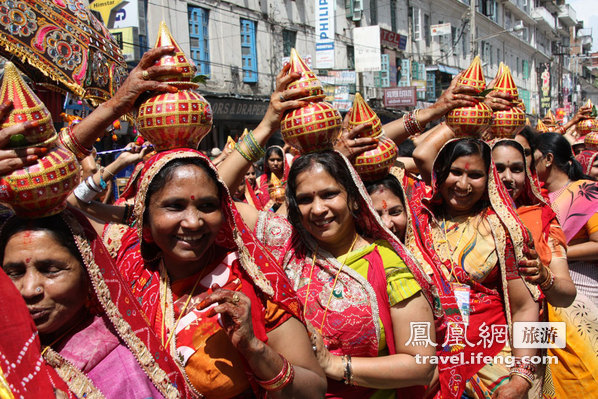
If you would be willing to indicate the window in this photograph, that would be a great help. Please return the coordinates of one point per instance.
(198, 37)
(454, 35)
(373, 12)
(393, 15)
(350, 57)
(427, 32)
(431, 86)
(248, 50)
(517, 66)
(415, 14)
(289, 37)
(405, 73)
(525, 69)
(383, 77)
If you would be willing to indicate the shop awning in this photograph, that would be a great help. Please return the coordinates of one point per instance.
(443, 68)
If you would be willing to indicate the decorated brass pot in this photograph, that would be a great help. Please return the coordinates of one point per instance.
(175, 120)
(26, 107)
(308, 80)
(41, 190)
(587, 126)
(591, 141)
(470, 121)
(314, 127)
(376, 163)
(506, 124)
(363, 113)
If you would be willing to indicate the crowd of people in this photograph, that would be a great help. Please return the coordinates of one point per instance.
(204, 280)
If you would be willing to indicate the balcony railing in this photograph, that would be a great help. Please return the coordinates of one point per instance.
(567, 15)
(544, 17)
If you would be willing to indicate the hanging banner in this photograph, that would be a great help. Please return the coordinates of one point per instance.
(367, 49)
(545, 98)
(324, 34)
(440, 29)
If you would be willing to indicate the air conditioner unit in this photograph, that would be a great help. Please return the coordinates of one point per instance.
(519, 26)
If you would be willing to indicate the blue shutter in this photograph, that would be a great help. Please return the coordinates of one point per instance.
(431, 86)
(405, 73)
(248, 51)
(199, 39)
(382, 79)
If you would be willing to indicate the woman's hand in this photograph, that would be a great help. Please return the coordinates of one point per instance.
(516, 388)
(454, 97)
(135, 154)
(349, 144)
(499, 101)
(532, 268)
(326, 359)
(235, 310)
(282, 99)
(141, 79)
(11, 160)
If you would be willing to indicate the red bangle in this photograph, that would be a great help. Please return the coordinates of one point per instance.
(69, 142)
(284, 378)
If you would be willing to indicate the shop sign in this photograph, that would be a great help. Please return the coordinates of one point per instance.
(398, 97)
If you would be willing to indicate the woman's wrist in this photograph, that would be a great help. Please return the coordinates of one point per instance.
(334, 367)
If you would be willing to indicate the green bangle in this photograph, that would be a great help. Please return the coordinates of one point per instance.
(247, 157)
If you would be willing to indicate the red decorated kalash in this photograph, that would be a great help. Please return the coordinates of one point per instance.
(589, 125)
(376, 163)
(471, 121)
(550, 121)
(506, 124)
(316, 126)
(175, 120)
(591, 141)
(41, 189)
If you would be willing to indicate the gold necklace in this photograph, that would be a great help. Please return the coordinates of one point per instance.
(313, 262)
(164, 280)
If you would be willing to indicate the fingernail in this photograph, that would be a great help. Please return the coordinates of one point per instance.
(180, 69)
(172, 89)
(43, 150)
(32, 158)
(35, 123)
(7, 103)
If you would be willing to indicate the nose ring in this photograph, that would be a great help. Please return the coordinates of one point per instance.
(469, 189)
(38, 290)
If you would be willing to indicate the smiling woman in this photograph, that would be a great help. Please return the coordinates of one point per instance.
(85, 332)
(359, 286)
(219, 302)
(475, 240)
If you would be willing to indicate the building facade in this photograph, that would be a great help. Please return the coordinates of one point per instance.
(240, 46)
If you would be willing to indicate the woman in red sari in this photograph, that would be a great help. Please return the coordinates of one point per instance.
(218, 300)
(275, 162)
(475, 240)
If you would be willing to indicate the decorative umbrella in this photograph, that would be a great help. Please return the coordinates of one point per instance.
(60, 44)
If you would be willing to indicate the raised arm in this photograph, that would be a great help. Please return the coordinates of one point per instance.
(454, 97)
(426, 150)
(233, 168)
(139, 81)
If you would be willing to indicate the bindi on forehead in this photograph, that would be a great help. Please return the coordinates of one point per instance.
(27, 261)
(193, 198)
(466, 165)
(384, 205)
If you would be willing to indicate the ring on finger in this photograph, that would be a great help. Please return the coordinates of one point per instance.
(236, 298)
(145, 75)
(282, 99)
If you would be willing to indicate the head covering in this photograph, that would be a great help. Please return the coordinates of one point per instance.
(138, 259)
(24, 371)
(586, 159)
(117, 306)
